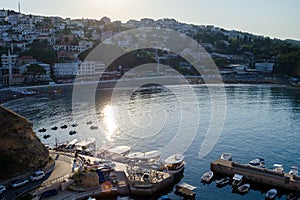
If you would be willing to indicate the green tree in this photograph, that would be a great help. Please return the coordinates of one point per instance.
(46, 55)
(33, 70)
(221, 62)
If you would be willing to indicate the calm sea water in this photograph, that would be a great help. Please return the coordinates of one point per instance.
(261, 121)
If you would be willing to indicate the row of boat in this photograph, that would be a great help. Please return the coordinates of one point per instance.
(174, 164)
(54, 128)
(237, 181)
(260, 163)
(72, 132)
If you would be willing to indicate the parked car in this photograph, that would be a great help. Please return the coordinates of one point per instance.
(49, 193)
(37, 175)
(2, 189)
(19, 183)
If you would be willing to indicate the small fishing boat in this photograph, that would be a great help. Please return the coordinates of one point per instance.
(42, 130)
(64, 127)
(226, 156)
(237, 180)
(54, 128)
(278, 168)
(185, 190)
(271, 194)
(257, 162)
(207, 177)
(94, 127)
(175, 164)
(293, 196)
(294, 170)
(222, 182)
(46, 136)
(74, 125)
(72, 132)
(244, 188)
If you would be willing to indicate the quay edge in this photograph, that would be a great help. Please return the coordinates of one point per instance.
(255, 174)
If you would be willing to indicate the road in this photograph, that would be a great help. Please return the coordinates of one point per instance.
(62, 168)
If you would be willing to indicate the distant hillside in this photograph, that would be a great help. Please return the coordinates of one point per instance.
(295, 42)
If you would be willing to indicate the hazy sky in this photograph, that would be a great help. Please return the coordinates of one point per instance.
(273, 18)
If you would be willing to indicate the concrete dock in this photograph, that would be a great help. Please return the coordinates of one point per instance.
(256, 174)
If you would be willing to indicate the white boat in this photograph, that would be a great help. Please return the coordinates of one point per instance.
(294, 170)
(237, 180)
(86, 146)
(207, 177)
(271, 194)
(71, 145)
(186, 190)
(244, 188)
(226, 156)
(257, 162)
(175, 164)
(147, 160)
(119, 153)
(222, 182)
(278, 168)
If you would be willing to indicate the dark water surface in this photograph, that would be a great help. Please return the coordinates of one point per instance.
(261, 121)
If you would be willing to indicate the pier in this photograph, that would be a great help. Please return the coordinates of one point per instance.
(256, 174)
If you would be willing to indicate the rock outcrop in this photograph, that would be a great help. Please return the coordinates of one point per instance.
(21, 150)
(86, 179)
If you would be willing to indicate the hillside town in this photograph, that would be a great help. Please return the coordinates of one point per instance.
(41, 50)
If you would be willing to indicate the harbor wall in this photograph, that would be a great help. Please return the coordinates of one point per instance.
(258, 175)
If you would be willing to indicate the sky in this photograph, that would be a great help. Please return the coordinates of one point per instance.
(273, 18)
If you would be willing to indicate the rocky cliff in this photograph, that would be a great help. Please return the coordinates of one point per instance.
(20, 149)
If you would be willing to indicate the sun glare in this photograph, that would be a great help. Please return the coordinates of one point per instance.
(109, 121)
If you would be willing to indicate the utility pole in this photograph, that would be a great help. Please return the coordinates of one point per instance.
(19, 7)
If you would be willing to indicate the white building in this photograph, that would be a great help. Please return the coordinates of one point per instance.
(84, 44)
(238, 68)
(65, 69)
(9, 74)
(264, 67)
(79, 33)
(3, 13)
(88, 68)
(13, 19)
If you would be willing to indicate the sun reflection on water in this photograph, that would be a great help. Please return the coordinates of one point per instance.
(109, 121)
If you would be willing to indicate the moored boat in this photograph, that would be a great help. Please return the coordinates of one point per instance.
(42, 130)
(271, 194)
(64, 126)
(293, 196)
(294, 170)
(257, 162)
(185, 190)
(175, 164)
(74, 125)
(94, 127)
(72, 132)
(222, 182)
(226, 156)
(278, 168)
(207, 177)
(46, 136)
(237, 180)
(244, 188)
